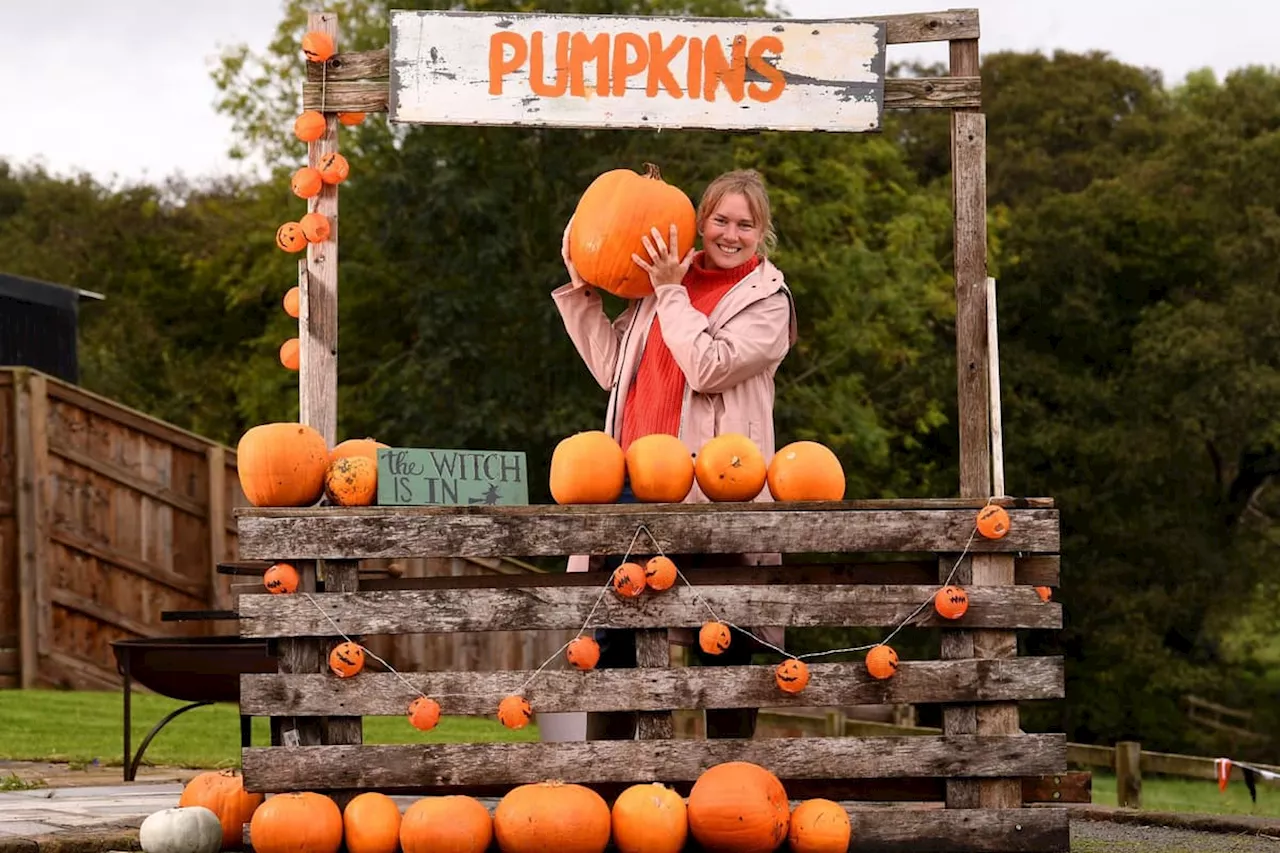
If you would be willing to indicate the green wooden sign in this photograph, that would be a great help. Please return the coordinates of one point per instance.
(415, 476)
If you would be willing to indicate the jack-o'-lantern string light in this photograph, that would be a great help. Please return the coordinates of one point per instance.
(630, 582)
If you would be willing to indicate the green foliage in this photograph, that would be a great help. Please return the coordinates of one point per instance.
(1134, 231)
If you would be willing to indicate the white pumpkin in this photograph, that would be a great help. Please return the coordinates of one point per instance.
(186, 829)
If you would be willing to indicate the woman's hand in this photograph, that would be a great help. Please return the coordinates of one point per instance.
(667, 267)
(574, 279)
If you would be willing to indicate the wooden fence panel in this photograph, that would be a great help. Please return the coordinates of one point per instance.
(10, 660)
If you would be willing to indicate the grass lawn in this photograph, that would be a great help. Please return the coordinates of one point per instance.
(86, 726)
(1200, 796)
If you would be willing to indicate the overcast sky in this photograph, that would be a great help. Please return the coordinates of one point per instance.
(122, 89)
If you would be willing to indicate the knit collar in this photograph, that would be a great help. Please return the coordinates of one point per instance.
(701, 275)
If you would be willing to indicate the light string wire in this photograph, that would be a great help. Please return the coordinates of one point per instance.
(604, 589)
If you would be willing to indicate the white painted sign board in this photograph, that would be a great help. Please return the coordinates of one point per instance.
(614, 71)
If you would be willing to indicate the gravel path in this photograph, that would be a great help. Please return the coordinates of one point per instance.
(1093, 836)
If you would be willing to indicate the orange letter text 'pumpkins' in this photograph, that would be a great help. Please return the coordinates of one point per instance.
(282, 464)
(450, 824)
(649, 818)
(806, 471)
(615, 212)
(730, 467)
(738, 807)
(222, 792)
(587, 468)
(552, 816)
(371, 824)
(297, 822)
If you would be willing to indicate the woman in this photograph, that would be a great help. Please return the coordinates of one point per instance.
(695, 359)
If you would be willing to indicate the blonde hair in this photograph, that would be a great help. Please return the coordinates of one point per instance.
(750, 185)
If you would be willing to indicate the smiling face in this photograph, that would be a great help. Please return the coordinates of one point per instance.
(730, 233)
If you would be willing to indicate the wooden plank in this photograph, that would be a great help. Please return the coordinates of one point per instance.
(968, 153)
(150, 571)
(664, 688)
(131, 418)
(958, 645)
(900, 93)
(392, 766)
(975, 504)
(342, 576)
(115, 473)
(961, 830)
(432, 611)
(95, 610)
(998, 718)
(299, 656)
(1029, 571)
(654, 722)
(347, 533)
(545, 69)
(31, 546)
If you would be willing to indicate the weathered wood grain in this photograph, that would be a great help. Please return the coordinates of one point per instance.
(341, 576)
(351, 65)
(900, 93)
(1029, 571)
(391, 766)
(664, 688)
(567, 608)
(653, 661)
(346, 533)
(300, 656)
(961, 830)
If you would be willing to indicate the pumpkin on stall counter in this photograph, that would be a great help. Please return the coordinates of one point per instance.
(282, 464)
(730, 467)
(819, 826)
(616, 211)
(186, 829)
(371, 824)
(222, 791)
(454, 823)
(296, 822)
(806, 471)
(351, 481)
(587, 468)
(738, 807)
(659, 468)
(542, 817)
(366, 447)
(649, 818)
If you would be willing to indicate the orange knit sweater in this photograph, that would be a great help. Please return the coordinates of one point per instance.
(656, 395)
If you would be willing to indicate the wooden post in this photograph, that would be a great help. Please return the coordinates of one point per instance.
(993, 384)
(1129, 774)
(216, 458)
(652, 651)
(318, 283)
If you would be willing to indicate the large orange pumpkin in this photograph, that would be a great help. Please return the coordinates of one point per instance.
(282, 464)
(298, 822)
(552, 816)
(649, 818)
(730, 467)
(222, 792)
(371, 824)
(819, 826)
(616, 211)
(806, 471)
(587, 468)
(660, 468)
(738, 807)
(450, 824)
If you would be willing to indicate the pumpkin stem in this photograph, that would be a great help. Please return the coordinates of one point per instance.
(651, 170)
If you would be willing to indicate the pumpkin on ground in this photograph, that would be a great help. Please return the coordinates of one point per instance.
(806, 471)
(453, 823)
(660, 573)
(371, 824)
(738, 807)
(222, 791)
(351, 481)
(282, 464)
(659, 468)
(424, 713)
(552, 816)
(616, 211)
(186, 829)
(649, 818)
(730, 467)
(587, 468)
(819, 826)
(296, 822)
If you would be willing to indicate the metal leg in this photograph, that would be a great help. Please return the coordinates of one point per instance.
(132, 770)
(128, 725)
